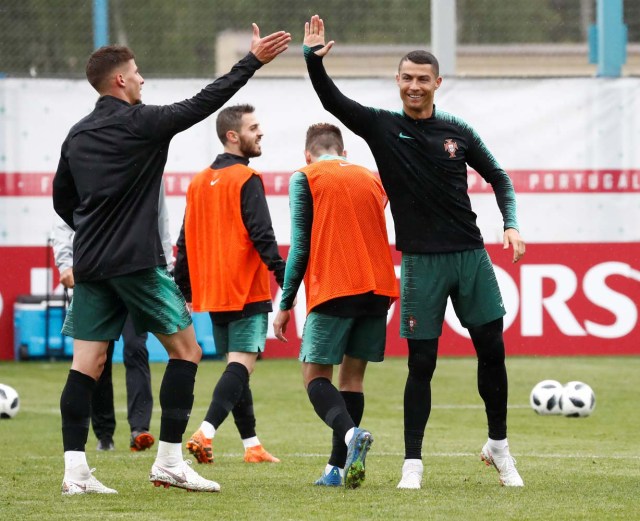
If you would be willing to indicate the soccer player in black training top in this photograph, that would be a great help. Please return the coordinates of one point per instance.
(422, 156)
(106, 188)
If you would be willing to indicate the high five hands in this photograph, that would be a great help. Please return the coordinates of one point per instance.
(267, 48)
(314, 35)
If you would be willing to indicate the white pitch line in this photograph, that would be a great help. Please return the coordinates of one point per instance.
(476, 454)
(55, 410)
(426, 455)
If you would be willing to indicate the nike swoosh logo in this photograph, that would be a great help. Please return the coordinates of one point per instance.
(344, 164)
(81, 486)
(214, 182)
(179, 479)
(402, 135)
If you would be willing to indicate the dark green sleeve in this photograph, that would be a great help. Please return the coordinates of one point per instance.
(358, 118)
(301, 208)
(482, 161)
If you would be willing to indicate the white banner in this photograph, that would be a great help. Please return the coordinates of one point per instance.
(571, 147)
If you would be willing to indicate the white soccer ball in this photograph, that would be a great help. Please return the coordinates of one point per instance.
(545, 397)
(9, 401)
(577, 400)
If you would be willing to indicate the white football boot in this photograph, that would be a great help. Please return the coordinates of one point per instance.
(83, 482)
(412, 470)
(181, 476)
(504, 463)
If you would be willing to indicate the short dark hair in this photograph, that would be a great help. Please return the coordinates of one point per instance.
(323, 137)
(422, 57)
(103, 61)
(230, 118)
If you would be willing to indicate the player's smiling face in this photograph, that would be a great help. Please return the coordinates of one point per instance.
(418, 84)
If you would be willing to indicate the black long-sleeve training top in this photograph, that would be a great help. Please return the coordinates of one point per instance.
(423, 166)
(108, 178)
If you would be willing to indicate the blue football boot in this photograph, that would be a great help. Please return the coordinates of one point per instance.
(330, 479)
(356, 454)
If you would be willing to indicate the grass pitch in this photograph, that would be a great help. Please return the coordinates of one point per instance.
(578, 469)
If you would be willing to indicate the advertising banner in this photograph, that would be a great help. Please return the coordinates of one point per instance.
(570, 146)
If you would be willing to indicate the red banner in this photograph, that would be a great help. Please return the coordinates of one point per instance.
(277, 183)
(562, 299)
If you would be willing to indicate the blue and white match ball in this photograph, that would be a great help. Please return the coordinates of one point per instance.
(545, 397)
(577, 400)
(9, 402)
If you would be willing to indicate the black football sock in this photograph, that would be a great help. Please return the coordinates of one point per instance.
(329, 406)
(103, 415)
(75, 409)
(227, 393)
(243, 414)
(355, 408)
(176, 399)
(492, 375)
(417, 394)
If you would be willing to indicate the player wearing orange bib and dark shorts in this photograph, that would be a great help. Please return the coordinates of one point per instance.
(339, 246)
(225, 251)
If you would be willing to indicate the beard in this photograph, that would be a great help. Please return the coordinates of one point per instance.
(249, 148)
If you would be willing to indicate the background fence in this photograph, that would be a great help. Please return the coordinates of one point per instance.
(172, 38)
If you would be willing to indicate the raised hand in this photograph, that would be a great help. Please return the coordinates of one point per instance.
(267, 48)
(314, 35)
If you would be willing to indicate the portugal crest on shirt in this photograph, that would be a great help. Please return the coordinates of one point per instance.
(451, 146)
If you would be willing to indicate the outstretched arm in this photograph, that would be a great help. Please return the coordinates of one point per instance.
(162, 122)
(357, 118)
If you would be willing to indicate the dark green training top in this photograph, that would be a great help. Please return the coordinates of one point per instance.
(423, 166)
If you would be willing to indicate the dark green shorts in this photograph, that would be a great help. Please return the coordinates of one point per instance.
(326, 339)
(247, 335)
(427, 281)
(99, 308)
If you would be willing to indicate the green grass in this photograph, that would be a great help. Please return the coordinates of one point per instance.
(578, 469)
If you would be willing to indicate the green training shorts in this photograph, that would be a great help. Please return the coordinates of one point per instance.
(99, 308)
(247, 335)
(427, 280)
(326, 339)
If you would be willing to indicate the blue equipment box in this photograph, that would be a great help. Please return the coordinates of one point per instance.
(37, 322)
(157, 353)
(33, 315)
